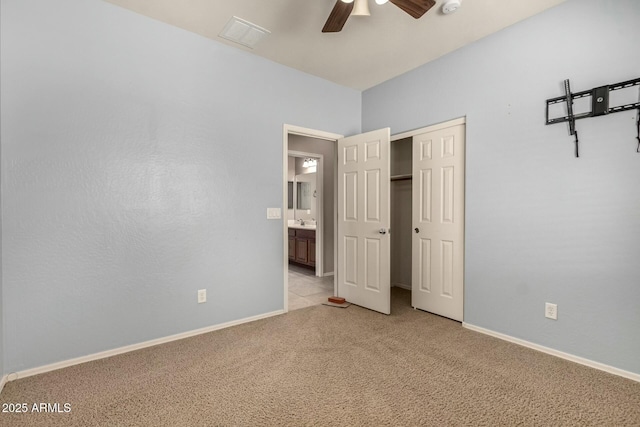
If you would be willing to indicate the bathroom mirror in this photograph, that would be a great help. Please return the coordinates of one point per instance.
(304, 195)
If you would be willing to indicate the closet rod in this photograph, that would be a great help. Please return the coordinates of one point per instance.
(401, 177)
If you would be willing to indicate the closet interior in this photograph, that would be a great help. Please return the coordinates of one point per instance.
(401, 199)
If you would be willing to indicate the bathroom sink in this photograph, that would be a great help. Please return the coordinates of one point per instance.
(303, 227)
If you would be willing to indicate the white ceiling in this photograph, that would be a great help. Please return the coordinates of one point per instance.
(368, 51)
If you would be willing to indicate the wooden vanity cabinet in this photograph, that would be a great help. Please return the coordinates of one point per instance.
(292, 244)
(302, 246)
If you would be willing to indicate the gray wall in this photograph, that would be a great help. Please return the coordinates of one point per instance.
(328, 150)
(541, 225)
(125, 146)
(2, 371)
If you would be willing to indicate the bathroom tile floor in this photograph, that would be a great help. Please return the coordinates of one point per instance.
(306, 289)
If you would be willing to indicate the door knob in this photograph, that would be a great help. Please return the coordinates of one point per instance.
(417, 230)
(382, 231)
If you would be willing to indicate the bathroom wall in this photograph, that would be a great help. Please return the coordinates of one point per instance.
(291, 173)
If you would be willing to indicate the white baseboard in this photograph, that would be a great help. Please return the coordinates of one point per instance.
(401, 285)
(557, 353)
(104, 354)
(3, 381)
(328, 274)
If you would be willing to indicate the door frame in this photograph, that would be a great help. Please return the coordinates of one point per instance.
(436, 126)
(319, 269)
(288, 129)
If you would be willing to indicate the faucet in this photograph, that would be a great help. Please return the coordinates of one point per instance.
(301, 221)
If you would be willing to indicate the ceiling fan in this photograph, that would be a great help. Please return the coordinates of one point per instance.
(344, 8)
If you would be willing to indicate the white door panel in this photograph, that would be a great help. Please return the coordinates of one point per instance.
(438, 221)
(363, 220)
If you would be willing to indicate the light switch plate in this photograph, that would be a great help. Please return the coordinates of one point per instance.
(274, 213)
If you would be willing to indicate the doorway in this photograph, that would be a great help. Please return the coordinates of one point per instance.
(309, 225)
(305, 208)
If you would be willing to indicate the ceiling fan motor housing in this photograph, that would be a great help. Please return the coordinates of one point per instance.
(345, 8)
(361, 8)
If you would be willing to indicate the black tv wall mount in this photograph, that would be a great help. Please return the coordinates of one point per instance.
(599, 106)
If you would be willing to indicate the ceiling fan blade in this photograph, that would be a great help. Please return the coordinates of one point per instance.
(415, 8)
(338, 17)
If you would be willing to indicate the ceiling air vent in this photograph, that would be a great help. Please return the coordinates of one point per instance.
(243, 32)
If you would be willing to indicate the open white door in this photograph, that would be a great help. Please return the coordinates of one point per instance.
(438, 222)
(363, 220)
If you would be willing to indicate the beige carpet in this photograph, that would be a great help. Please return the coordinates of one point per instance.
(329, 366)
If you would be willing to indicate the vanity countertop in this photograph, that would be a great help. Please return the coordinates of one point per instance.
(297, 226)
(302, 227)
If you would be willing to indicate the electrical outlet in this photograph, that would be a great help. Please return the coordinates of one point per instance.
(202, 296)
(551, 311)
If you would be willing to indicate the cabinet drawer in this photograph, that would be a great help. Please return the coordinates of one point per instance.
(306, 234)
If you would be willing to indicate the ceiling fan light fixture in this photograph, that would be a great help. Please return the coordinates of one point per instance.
(342, 11)
(361, 8)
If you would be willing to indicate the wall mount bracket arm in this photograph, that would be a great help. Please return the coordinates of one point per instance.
(599, 105)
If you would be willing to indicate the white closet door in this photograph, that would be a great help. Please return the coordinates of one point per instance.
(438, 222)
(363, 220)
